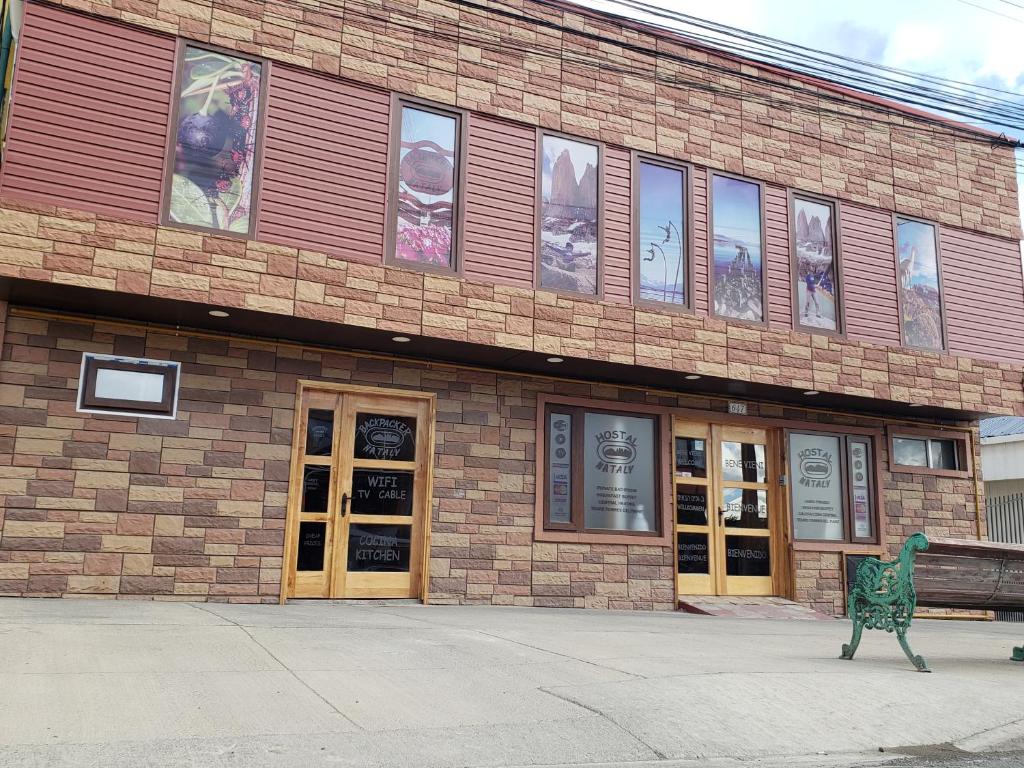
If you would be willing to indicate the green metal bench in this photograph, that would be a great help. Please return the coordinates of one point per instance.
(937, 573)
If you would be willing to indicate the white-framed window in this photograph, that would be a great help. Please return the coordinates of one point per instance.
(128, 386)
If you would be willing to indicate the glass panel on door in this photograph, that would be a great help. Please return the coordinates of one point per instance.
(359, 494)
(723, 509)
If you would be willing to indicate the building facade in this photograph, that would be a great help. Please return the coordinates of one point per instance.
(495, 302)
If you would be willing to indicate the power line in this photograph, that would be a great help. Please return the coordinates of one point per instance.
(491, 40)
(992, 11)
(952, 92)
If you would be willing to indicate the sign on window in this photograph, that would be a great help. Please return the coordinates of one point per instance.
(817, 487)
(619, 473)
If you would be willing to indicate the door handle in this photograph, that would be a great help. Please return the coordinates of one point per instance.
(344, 504)
(721, 515)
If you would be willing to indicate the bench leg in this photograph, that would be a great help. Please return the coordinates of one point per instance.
(917, 661)
(851, 648)
(1018, 654)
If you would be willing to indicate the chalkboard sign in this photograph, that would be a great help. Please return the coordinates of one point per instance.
(316, 483)
(747, 556)
(312, 539)
(379, 548)
(850, 566)
(692, 552)
(691, 505)
(390, 438)
(319, 432)
(382, 492)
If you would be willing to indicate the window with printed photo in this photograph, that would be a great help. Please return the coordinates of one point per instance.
(737, 268)
(215, 146)
(569, 226)
(919, 284)
(428, 182)
(662, 230)
(816, 264)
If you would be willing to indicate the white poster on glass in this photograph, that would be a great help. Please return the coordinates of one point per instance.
(817, 487)
(619, 473)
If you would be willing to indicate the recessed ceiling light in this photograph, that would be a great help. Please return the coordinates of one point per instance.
(810, 392)
(401, 339)
(692, 376)
(556, 360)
(916, 405)
(219, 313)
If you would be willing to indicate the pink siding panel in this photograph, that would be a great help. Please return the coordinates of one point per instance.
(869, 275)
(89, 115)
(777, 257)
(983, 290)
(324, 166)
(500, 189)
(617, 233)
(700, 240)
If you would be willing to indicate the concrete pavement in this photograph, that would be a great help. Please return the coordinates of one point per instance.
(120, 683)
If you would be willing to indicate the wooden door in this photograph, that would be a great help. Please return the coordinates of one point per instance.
(359, 498)
(725, 509)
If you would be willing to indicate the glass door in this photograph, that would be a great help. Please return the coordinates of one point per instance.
(723, 508)
(357, 508)
(744, 530)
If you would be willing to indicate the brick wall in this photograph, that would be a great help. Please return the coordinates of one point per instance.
(687, 103)
(194, 508)
(61, 246)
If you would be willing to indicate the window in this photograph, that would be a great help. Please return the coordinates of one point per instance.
(426, 182)
(919, 284)
(662, 234)
(128, 386)
(213, 155)
(602, 470)
(736, 234)
(832, 487)
(570, 237)
(816, 277)
(935, 452)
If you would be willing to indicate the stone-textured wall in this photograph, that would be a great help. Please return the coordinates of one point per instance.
(47, 243)
(685, 102)
(194, 508)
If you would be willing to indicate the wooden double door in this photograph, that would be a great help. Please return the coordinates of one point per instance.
(727, 509)
(359, 495)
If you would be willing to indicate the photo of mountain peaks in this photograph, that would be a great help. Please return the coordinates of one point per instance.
(569, 182)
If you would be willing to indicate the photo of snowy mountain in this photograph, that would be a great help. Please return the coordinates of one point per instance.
(569, 182)
(816, 282)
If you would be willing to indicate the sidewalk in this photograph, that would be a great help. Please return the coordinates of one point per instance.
(100, 683)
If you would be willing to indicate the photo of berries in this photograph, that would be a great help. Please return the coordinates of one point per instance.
(215, 145)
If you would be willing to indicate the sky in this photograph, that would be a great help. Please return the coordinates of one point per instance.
(581, 155)
(737, 210)
(954, 39)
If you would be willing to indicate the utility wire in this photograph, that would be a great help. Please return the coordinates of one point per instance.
(833, 66)
(491, 40)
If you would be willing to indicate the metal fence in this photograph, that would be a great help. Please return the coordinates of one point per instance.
(1005, 516)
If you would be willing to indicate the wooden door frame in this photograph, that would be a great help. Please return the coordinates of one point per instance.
(778, 499)
(292, 513)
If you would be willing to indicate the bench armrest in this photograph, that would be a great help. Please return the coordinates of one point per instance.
(886, 581)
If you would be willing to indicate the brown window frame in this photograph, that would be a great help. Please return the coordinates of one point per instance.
(763, 322)
(638, 159)
(462, 124)
(874, 485)
(794, 195)
(896, 218)
(538, 202)
(89, 401)
(962, 440)
(576, 526)
(172, 133)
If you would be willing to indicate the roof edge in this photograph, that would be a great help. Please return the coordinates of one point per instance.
(830, 85)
